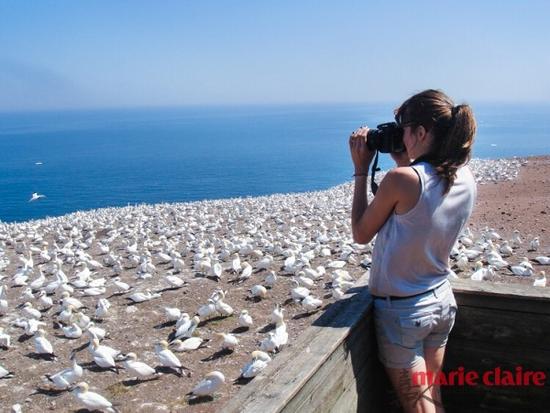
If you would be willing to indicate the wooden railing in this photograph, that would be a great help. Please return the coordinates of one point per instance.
(333, 367)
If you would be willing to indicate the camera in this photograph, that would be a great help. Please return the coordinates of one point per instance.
(386, 138)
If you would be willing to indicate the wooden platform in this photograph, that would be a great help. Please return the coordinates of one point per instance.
(333, 367)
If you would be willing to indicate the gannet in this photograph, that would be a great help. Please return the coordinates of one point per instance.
(543, 260)
(480, 273)
(222, 307)
(167, 358)
(36, 196)
(44, 300)
(229, 341)
(258, 291)
(72, 331)
(269, 344)
(522, 269)
(188, 344)
(304, 281)
(142, 297)
(311, 303)
(121, 286)
(516, 240)
(172, 313)
(245, 320)
(236, 263)
(246, 272)
(42, 345)
(174, 281)
(103, 356)
(102, 308)
(211, 383)
(64, 378)
(91, 400)
(505, 249)
(259, 362)
(30, 312)
(6, 374)
(337, 293)
(5, 339)
(277, 315)
(67, 300)
(298, 293)
(540, 281)
(187, 327)
(137, 368)
(270, 279)
(534, 244)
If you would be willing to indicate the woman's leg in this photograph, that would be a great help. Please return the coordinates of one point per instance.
(414, 393)
(434, 363)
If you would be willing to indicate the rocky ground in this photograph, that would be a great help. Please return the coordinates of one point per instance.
(312, 227)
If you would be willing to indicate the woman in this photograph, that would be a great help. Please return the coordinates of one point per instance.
(418, 213)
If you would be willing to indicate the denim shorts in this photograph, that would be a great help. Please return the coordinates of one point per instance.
(405, 327)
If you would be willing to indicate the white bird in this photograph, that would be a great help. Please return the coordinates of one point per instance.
(64, 378)
(5, 339)
(277, 315)
(42, 345)
(102, 308)
(211, 383)
(482, 273)
(142, 297)
(92, 400)
(229, 341)
(103, 355)
(543, 260)
(258, 291)
(246, 272)
(259, 361)
(189, 344)
(236, 263)
(72, 331)
(30, 312)
(245, 320)
(207, 310)
(137, 368)
(516, 239)
(167, 358)
(172, 313)
(6, 374)
(540, 281)
(298, 293)
(270, 279)
(187, 327)
(505, 249)
(36, 196)
(174, 281)
(311, 303)
(522, 270)
(534, 244)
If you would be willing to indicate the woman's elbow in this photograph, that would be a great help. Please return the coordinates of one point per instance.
(360, 237)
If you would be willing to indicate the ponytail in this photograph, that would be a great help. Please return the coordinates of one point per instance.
(453, 129)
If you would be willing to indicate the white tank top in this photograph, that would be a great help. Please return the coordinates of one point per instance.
(411, 251)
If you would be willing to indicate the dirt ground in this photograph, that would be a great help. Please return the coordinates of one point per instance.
(522, 204)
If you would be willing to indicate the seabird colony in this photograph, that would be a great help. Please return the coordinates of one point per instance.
(75, 287)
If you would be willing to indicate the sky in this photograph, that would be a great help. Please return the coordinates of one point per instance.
(106, 54)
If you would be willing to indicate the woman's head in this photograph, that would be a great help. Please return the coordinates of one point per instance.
(451, 130)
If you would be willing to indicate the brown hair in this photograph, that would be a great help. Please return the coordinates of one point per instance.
(453, 129)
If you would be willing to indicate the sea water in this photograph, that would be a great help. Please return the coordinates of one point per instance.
(90, 159)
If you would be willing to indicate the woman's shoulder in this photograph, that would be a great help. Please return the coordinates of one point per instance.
(402, 176)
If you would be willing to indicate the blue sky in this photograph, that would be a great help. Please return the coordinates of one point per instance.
(94, 54)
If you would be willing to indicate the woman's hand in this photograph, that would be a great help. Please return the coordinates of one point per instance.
(361, 155)
(401, 158)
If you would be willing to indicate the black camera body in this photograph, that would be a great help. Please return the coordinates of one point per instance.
(386, 138)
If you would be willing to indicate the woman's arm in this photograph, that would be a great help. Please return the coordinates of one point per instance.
(397, 186)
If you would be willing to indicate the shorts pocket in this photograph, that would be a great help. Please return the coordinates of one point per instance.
(415, 328)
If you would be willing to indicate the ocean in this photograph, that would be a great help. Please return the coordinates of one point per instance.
(84, 160)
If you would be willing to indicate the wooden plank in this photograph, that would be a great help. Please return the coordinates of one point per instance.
(339, 374)
(522, 298)
(488, 326)
(293, 368)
